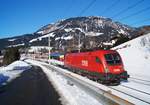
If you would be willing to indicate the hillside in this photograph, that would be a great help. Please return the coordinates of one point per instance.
(22, 40)
(94, 32)
(136, 56)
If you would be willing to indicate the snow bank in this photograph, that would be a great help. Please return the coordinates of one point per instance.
(70, 93)
(74, 95)
(136, 56)
(12, 71)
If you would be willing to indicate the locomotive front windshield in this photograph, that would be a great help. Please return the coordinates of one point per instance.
(112, 59)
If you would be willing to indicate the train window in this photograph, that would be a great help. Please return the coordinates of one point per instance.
(112, 58)
(97, 60)
(117, 58)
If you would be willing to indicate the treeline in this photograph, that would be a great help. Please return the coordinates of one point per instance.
(11, 54)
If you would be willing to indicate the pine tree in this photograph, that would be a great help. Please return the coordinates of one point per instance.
(121, 39)
(12, 54)
(0, 52)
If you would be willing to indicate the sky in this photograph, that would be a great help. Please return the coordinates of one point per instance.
(19, 17)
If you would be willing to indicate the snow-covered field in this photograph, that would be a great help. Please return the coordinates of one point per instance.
(12, 71)
(136, 56)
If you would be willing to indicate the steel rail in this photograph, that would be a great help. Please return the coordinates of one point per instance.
(130, 95)
(103, 96)
(140, 79)
(139, 82)
(135, 89)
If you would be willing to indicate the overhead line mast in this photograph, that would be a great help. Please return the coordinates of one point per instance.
(82, 12)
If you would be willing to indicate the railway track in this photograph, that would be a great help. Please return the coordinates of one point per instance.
(135, 89)
(132, 92)
(133, 96)
(140, 81)
(125, 91)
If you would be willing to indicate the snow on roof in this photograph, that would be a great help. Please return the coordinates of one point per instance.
(37, 48)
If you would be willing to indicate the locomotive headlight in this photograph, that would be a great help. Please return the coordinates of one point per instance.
(106, 70)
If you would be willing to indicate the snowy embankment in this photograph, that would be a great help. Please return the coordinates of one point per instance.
(70, 93)
(73, 94)
(136, 56)
(12, 71)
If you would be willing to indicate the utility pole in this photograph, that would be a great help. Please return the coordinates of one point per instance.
(86, 31)
(79, 42)
(49, 53)
(85, 27)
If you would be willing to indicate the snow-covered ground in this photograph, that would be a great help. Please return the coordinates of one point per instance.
(41, 37)
(37, 48)
(70, 94)
(12, 71)
(136, 56)
(138, 94)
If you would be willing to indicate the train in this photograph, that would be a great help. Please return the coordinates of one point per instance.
(104, 66)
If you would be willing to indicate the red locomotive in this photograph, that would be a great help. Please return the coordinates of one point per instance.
(104, 66)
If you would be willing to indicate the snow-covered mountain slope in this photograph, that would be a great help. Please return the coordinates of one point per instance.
(94, 32)
(22, 40)
(136, 56)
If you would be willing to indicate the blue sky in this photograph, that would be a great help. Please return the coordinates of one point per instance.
(19, 17)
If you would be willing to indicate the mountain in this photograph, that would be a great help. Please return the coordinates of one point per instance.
(22, 40)
(136, 56)
(144, 30)
(93, 32)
